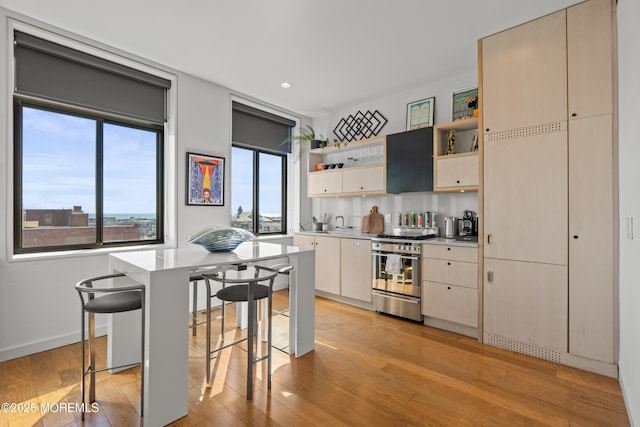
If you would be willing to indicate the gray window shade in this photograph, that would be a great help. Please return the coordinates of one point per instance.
(51, 71)
(259, 129)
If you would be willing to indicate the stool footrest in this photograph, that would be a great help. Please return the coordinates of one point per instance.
(227, 345)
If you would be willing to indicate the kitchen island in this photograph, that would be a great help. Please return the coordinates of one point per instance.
(165, 273)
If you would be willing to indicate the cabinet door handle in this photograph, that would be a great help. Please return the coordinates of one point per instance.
(575, 236)
(489, 236)
(457, 181)
(490, 276)
(448, 263)
(449, 287)
(574, 114)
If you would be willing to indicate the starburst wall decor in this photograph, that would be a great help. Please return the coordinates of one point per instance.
(360, 126)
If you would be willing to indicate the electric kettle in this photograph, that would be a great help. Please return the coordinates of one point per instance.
(450, 227)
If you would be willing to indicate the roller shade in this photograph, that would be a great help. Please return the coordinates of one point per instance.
(253, 128)
(54, 72)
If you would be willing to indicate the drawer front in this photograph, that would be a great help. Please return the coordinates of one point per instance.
(450, 272)
(454, 253)
(452, 303)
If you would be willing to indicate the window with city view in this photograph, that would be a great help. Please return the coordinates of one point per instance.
(258, 190)
(84, 181)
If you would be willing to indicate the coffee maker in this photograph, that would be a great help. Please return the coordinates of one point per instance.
(468, 227)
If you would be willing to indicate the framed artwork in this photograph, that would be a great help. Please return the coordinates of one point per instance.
(420, 113)
(205, 180)
(463, 103)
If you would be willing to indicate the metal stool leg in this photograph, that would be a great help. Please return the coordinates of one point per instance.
(142, 355)
(92, 357)
(194, 309)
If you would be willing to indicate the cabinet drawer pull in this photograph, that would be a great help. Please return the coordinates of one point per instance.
(448, 263)
(449, 287)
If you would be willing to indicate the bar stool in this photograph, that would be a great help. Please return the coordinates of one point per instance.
(245, 290)
(115, 300)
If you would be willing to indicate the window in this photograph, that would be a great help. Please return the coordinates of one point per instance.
(88, 150)
(259, 169)
(258, 190)
(84, 182)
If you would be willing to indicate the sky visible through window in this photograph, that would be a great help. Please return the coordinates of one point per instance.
(242, 182)
(59, 158)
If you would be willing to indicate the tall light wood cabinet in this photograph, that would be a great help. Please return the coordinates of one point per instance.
(591, 67)
(548, 187)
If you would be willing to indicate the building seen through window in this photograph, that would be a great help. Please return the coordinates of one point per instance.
(258, 190)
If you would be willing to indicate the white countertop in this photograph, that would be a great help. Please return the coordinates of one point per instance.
(193, 257)
(355, 234)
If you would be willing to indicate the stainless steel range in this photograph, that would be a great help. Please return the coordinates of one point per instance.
(396, 272)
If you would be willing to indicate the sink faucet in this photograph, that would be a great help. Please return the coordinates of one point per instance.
(342, 218)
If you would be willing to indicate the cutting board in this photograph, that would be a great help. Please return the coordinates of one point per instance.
(373, 222)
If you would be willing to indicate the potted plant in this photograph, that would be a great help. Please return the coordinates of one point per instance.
(308, 134)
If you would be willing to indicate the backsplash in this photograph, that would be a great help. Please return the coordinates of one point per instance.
(353, 209)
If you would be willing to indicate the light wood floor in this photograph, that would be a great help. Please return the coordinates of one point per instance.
(367, 369)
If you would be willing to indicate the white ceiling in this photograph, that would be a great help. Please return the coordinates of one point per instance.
(335, 53)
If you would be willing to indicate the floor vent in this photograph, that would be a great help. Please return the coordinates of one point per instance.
(525, 131)
(524, 348)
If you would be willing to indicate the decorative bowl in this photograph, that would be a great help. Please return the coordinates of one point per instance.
(325, 167)
(333, 166)
(340, 165)
(220, 238)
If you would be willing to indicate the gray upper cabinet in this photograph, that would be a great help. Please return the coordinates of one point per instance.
(410, 161)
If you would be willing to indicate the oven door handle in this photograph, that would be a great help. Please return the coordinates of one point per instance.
(401, 256)
(413, 300)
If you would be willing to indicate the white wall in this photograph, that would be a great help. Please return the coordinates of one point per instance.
(39, 308)
(393, 108)
(629, 155)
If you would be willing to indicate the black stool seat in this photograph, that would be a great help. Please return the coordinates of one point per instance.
(238, 293)
(117, 302)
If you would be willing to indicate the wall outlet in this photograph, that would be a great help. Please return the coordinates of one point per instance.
(387, 218)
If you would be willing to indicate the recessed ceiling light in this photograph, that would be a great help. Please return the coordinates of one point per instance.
(285, 85)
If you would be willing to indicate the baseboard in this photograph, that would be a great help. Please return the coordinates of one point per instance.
(44, 345)
(595, 366)
(345, 300)
(626, 403)
(457, 328)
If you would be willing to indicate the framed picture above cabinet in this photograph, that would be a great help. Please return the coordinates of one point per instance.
(420, 113)
(464, 102)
